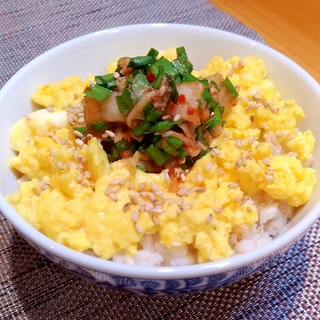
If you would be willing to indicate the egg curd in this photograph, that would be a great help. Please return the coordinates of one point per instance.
(69, 191)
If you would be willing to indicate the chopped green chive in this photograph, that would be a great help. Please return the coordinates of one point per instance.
(141, 61)
(164, 125)
(82, 130)
(99, 126)
(158, 156)
(140, 167)
(153, 53)
(98, 92)
(124, 101)
(106, 81)
(140, 129)
(231, 87)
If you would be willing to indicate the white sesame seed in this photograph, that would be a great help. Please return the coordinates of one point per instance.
(149, 207)
(238, 164)
(87, 174)
(78, 134)
(187, 206)
(80, 166)
(217, 209)
(181, 191)
(251, 105)
(226, 134)
(209, 218)
(134, 216)
(199, 177)
(252, 139)
(134, 200)
(158, 209)
(139, 228)
(166, 176)
(159, 203)
(113, 189)
(239, 143)
(113, 196)
(37, 191)
(280, 134)
(59, 165)
(233, 185)
(200, 189)
(85, 184)
(76, 155)
(177, 117)
(271, 106)
(116, 75)
(130, 186)
(142, 186)
(180, 202)
(176, 172)
(44, 186)
(52, 152)
(54, 137)
(110, 133)
(189, 192)
(235, 66)
(292, 154)
(215, 152)
(50, 107)
(114, 182)
(245, 156)
(64, 142)
(162, 90)
(257, 96)
(126, 207)
(159, 193)
(155, 220)
(269, 177)
(266, 161)
(79, 142)
(154, 187)
(230, 73)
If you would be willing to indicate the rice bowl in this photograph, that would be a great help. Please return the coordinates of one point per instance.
(66, 256)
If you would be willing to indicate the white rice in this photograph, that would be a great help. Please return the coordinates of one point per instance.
(273, 216)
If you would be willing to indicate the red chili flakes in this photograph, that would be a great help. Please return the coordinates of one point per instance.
(181, 98)
(190, 111)
(150, 76)
(171, 107)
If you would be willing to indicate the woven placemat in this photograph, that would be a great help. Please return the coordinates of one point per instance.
(31, 287)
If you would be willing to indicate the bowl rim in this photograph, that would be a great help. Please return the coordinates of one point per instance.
(163, 272)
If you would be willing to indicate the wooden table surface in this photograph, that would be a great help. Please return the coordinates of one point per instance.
(291, 27)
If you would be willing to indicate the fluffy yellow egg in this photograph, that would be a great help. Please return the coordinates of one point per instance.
(71, 192)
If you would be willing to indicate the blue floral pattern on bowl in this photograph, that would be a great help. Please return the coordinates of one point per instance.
(153, 287)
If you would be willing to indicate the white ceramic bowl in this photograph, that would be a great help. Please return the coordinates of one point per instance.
(89, 55)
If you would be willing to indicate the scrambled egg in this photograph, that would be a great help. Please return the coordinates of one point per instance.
(71, 193)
